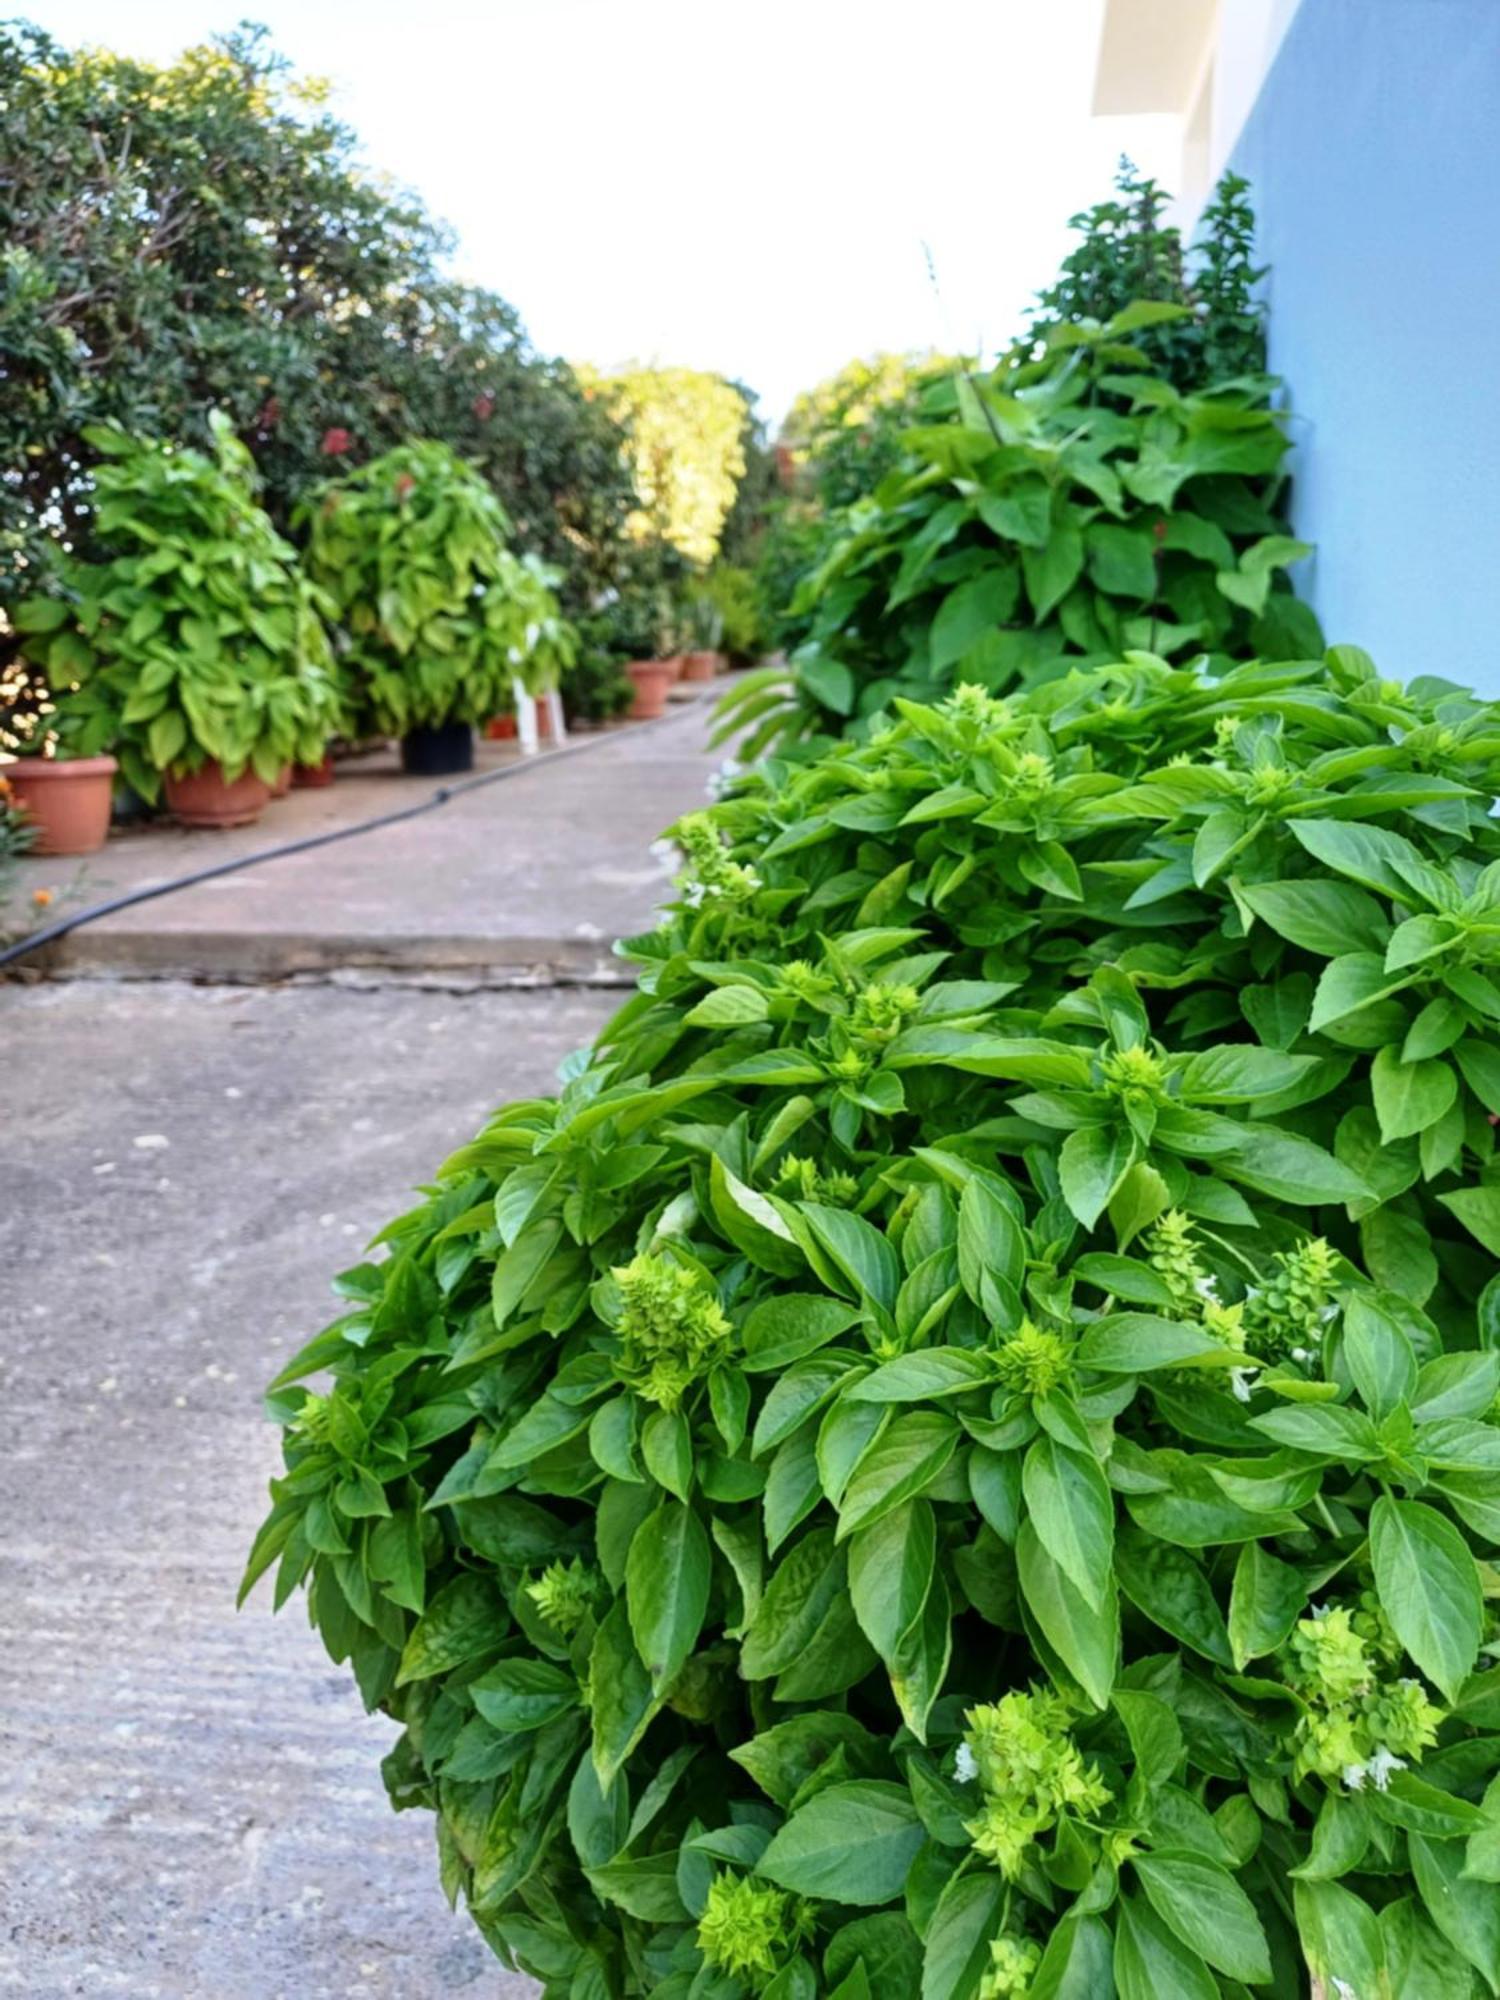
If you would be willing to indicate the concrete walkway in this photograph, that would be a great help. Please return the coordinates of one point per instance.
(191, 1803)
(532, 876)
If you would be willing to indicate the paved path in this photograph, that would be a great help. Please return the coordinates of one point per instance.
(191, 1807)
(533, 876)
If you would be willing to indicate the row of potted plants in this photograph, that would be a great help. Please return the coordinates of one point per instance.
(651, 679)
(201, 662)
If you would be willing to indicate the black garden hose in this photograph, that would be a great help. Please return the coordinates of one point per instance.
(52, 932)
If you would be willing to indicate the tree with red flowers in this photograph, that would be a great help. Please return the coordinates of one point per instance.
(198, 236)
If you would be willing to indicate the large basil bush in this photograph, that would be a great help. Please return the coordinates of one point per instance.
(958, 1456)
(1071, 504)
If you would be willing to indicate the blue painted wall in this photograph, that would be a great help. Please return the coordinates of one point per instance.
(1374, 156)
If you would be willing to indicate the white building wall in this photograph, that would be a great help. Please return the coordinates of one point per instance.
(1204, 62)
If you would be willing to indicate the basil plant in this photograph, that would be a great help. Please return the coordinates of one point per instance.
(194, 637)
(437, 617)
(958, 1455)
(1067, 506)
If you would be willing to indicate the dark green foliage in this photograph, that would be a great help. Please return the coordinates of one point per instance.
(1231, 322)
(796, 535)
(755, 495)
(645, 615)
(737, 604)
(197, 237)
(958, 1455)
(17, 835)
(846, 434)
(597, 687)
(1126, 252)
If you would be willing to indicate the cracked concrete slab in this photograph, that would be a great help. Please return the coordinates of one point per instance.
(192, 1802)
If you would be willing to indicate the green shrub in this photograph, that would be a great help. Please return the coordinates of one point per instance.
(17, 836)
(845, 434)
(438, 616)
(646, 614)
(732, 592)
(199, 638)
(1064, 508)
(958, 1455)
(1125, 252)
(597, 688)
(1114, 482)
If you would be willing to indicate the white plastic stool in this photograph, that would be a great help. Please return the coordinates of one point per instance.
(526, 722)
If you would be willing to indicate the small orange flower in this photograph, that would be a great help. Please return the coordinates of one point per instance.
(42, 897)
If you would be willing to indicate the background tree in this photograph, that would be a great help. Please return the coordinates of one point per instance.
(686, 450)
(844, 435)
(200, 235)
(758, 489)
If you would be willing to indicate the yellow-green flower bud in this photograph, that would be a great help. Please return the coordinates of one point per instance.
(1330, 1657)
(564, 1594)
(672, 1329)
(880, 1012)
(976, 706)
(1031, 1772)
(742, 1926)
(1172, 1253)
(1033, 1361)
(1404, 1720)
(1135, 1074)
(1289, 1312)
(1013, 1964)
(710, 872)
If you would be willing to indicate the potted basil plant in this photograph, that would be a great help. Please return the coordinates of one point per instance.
(410, 550)
(195, 643)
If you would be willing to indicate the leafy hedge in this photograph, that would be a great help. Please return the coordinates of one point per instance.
(957, 1455)
(201, 235)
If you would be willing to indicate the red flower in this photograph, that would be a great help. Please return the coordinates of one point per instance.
(484, 405)
(269, 414)
(335, 442)
(404, 484)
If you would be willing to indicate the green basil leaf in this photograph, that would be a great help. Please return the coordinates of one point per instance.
(853, 1843)
(1428, 1587)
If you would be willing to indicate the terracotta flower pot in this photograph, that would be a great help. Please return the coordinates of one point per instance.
(66, 800)
(675, 663)
(283, 782)
(207, 798)
(651, 679)
(502, 728)
(697, 666)
(307, 777)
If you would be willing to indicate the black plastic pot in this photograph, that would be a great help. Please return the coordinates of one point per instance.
(128, 808)
(438, 753)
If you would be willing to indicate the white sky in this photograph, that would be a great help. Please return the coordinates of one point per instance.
(738, 187)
